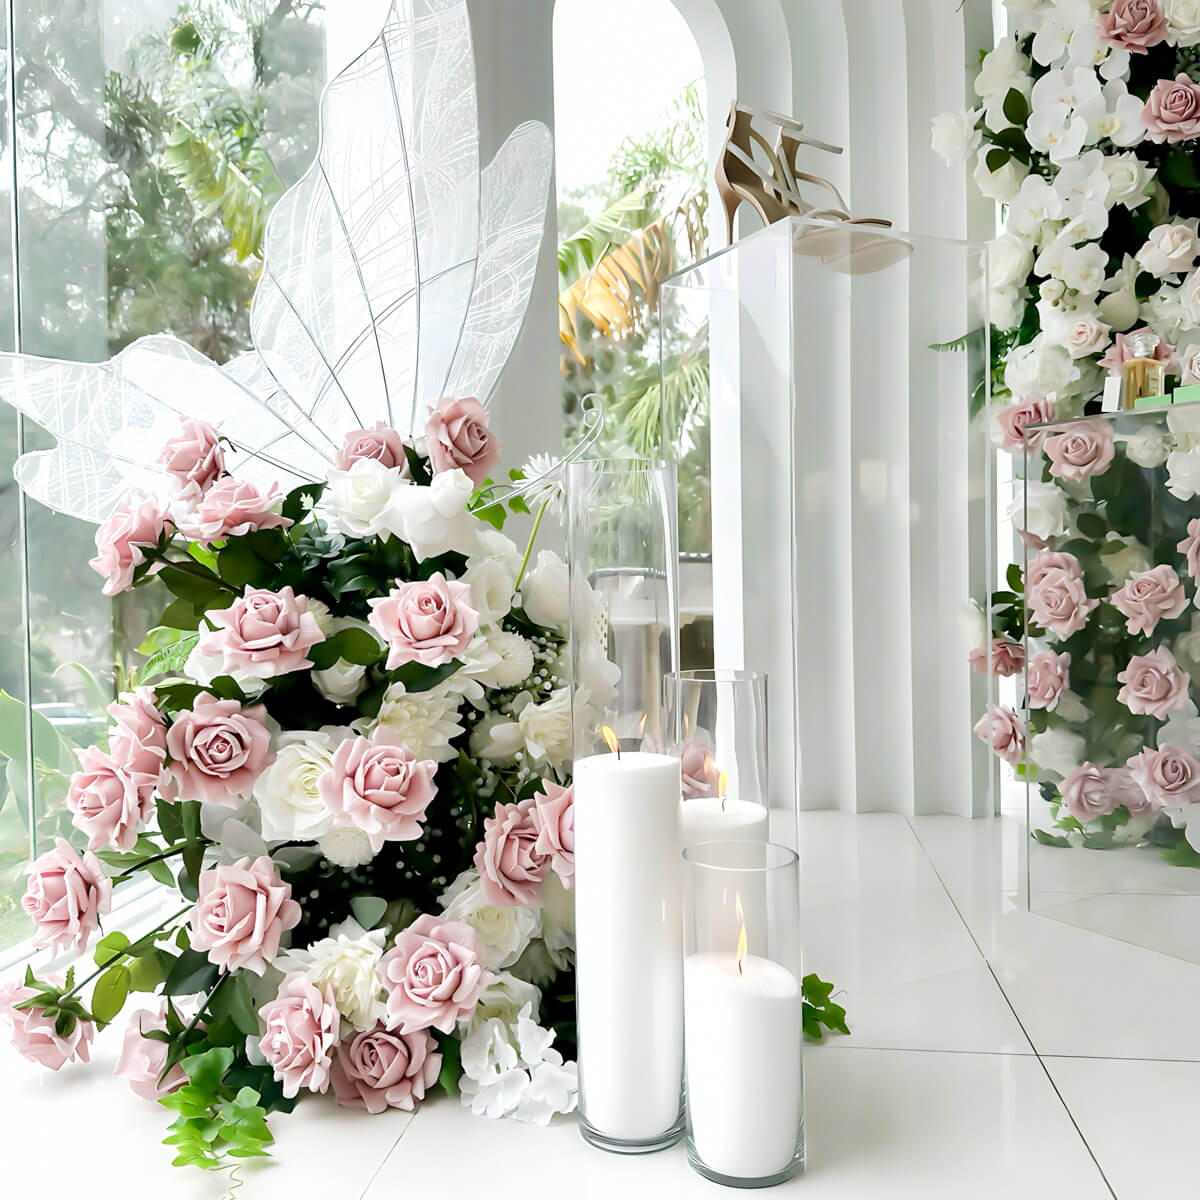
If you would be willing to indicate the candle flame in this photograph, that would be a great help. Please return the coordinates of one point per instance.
(642, 725)
(741, 942)
(610, 739)
(722, 786)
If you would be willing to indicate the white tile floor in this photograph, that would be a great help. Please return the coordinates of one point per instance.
(995, 1053)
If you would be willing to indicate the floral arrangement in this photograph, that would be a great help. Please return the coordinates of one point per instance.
(348, 754)
(1086, 132)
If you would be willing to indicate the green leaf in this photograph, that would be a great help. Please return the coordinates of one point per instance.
(146, 971)
(818, 1011)
(417, 677)
(208, 1069)
(1092, 525)
(180, 614)
(300, 501)
(110, 945)
(197, 585)
(354, 645)
(160, 637)
(996, 158)
(1016, 107)
(1098, 841)
(170, 820)
(368, 910)
(110, 993)
(232, 1003)
(170, 659)
(191, 973)
(1182, 855)
(451, 1071)
(1049, 839)
(193, 861)
(98, 697)
(1015, 579)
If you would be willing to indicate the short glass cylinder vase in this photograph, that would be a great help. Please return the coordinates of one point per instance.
(623, 566)
(718, 726)
(743, 1013)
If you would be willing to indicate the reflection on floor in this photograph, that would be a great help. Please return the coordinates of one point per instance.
(995, 1053)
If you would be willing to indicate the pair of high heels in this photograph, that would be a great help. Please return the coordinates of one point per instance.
(852, 246)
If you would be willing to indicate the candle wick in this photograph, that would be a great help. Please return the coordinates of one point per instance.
(618, 752)
(741, 967)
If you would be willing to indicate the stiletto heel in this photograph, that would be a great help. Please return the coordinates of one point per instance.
(740, 178)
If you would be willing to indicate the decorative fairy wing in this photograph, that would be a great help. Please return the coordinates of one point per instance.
(513, 189)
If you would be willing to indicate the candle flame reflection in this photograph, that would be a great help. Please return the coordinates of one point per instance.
(610, 739)
(741, 942)
(642, 725)
(722, 786)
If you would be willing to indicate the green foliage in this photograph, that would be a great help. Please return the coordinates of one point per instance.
(819, 1012)
(451, 1072)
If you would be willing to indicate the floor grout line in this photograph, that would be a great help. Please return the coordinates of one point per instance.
(1012, 1009)
(383, 1162)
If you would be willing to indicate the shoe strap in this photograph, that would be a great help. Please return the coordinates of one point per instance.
(779, 187)
(789, 123)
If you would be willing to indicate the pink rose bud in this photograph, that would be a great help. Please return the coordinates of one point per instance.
(1088, 792)
(143, 1058)
(1004, 731)
(1029, 410)
(379, 785)
(66, 897)
(378, 1070)
(458, 437)
(33, 1034)
(1169, 777)
(1190, 548)
(698, 773)
(1047, 678)
(429, 621)
(109, 803)
(263, 633)
(554, 817)
(1148, 597)
(231, 508)
(218, 750)
(433, 975)
(241, 913)
(1083, 449)
(121, 539)
(137, 739)
(1008, 657)
(1133, 24)
(1172, 112)
(1155, 684)
(194, 459)
(301, 1035)
(511, 869)
(381, 442)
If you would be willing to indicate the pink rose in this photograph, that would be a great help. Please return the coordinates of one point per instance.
(379, 785)
(301, 1035)
(1149, 597)
(219, 749)
(241, 913)
(121, 539)
(381, 442)
(1154, 684)
(1119, 352)
(1008, 657)
(194, 459)
(263, 633)
(554, 817)
(1190, 548)
(66, 897)
(1083, 449)
(1172, 112)
(137, 739)
(1032, 541)
(698, 773)
(143, 1058)
(109, 803)
(231, 508)
(1170, 777)
(458, 436)
(1133, 24)
(511, 869)
(378, 1070)
(1057, 601)
(1003, 731)
(429, 621)
(1029, 410)
(33, 1034)
(1128, 793)
(1047, 678)
(1049, 560)
(1087, 793)
(433, 975)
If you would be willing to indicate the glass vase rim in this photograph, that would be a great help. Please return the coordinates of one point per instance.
(783, 856)
(621, 466)
(717, 675)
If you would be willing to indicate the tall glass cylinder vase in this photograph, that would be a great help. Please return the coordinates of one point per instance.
(628, 875)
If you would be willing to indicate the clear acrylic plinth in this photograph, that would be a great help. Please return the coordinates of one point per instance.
(834, 476)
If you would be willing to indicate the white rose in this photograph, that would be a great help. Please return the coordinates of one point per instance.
(491, 583)
(426, 722)
(1189, 363)
(1183, 22)
(346, 847)
(536, 964)
(954, 135)
(1057, 750)
(434, 520)
(1042, 510)
(504, 929)
(361, 501)
(546, 592)
(1129, 178)
(1040, 368)
(1003, 67)
(558, 921)
(1146, 447)
(1004, 183)
(973, 626)
(1186, 648)
(497, 739)
(491, 543)
(1184, 424)
(1006, 306)
(1170, 249)
(1120, 309)
(287, 791)
(347, 962)
(502, 1000)
(547, 727)
(204, 668)
(1080, 332)
(515, 659)
(1122, 556)
(597, 674)
(1189, 299)
(1183, 473)
(342, 683)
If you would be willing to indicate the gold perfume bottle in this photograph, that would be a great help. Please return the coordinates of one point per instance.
(1142, 373)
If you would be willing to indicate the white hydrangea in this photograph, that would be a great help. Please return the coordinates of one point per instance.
(502, 999)
(347, 962)
(426, 722)
(504, 929)
(288, 791)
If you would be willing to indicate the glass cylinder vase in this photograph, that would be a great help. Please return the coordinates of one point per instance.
(717, 721)
(743, 1013)
(628, 874)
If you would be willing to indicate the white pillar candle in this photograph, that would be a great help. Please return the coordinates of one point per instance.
(629, 944)
(707, 819)
(745, 1083)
